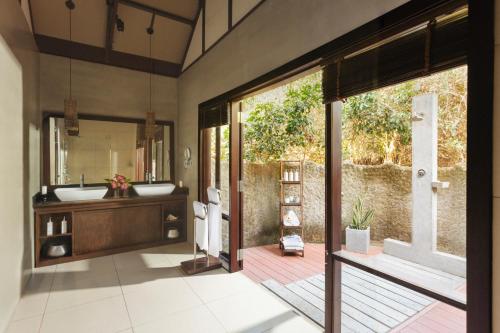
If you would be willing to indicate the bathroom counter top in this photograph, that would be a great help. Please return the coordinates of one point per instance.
(133, 198)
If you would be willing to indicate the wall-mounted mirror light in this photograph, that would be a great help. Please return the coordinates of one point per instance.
(187, 157)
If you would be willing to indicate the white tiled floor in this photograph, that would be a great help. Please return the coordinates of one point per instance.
(145, 291)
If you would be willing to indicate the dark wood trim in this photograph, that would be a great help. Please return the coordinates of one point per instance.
(172, 150)
(479, 195)
(399, 19)
(203, 27)
(229, 14)
(225, 34)
(480, 165)
(157, 11)
(190, 39)
(333, 214)
(65, 48)
(234, 177)
(46, 115)
(110, 26)
(31, 17)
(217, 156)
(45, 151)
(87, 116)
(205, 163)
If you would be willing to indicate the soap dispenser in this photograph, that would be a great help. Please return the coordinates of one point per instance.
(50, 227)
(64, 226)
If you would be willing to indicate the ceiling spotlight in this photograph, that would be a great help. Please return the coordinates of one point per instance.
(120, 25)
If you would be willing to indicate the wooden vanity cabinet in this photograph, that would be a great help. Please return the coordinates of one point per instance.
(109, 226)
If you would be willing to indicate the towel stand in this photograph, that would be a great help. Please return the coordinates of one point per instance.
(201, 264)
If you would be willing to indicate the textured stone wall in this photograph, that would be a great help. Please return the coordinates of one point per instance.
(385, 188)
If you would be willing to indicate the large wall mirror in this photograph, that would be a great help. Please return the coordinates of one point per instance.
(104, 147)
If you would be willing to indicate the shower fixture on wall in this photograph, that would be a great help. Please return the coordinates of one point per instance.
(70, 114)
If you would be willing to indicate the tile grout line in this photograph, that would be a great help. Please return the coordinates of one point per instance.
(48, 297)
(123, 294)
(216, 318)
(184, 278)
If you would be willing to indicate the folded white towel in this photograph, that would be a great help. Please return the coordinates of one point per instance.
(201, 224)
(293, 241)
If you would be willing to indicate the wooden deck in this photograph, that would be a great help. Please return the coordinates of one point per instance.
(292, 276)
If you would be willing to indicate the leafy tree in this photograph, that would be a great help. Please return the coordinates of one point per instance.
(275, 130)
(289, 122)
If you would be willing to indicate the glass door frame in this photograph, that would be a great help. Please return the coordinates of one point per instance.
(479, 142)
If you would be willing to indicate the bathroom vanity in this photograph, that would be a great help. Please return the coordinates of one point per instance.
(109, 225)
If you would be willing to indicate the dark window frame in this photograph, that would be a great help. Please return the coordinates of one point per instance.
(479, 142)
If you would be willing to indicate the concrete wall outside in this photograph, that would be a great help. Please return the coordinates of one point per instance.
(385, 188)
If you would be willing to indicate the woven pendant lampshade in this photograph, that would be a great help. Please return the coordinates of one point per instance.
(71, 117)
(150, 125)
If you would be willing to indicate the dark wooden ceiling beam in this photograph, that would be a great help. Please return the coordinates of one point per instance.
(192, 33)
(110, 26)
(157, 11)
(65, 48)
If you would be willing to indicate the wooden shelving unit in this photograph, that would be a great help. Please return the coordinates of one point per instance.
(297, 207)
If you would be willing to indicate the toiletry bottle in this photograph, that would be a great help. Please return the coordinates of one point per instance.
(64, 226)
(50, 227)
(285, 176)
(44, 194)
(296, 175)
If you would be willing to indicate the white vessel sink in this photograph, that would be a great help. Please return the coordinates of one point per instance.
(154, 189)
(77, 193)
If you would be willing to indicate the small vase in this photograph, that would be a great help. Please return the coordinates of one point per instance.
(116, 193)
(125, 193)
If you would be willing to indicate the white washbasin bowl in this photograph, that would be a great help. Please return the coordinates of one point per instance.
(77, 193)
(145, 190)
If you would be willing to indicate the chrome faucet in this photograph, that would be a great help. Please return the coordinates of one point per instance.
(82, 180)
(149, 177)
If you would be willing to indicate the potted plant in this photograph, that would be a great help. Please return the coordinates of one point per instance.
(358, 232)
(119, 183)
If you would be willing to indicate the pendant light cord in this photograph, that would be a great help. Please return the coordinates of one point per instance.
(150, 73)
(70, 62)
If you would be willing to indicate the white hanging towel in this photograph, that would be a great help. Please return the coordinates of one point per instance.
(214, 222)
(201, 224)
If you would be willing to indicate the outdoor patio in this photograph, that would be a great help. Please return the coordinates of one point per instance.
(369, 303)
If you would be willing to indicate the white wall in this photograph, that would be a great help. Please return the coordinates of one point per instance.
(19, 144)
(273, 35)
(105, 90)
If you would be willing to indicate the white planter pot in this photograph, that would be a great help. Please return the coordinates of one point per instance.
(357, 240)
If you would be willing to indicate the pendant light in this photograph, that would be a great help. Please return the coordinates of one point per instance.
(70, 114)
(150, 115)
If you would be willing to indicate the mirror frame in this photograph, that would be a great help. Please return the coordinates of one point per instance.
(46, 115)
